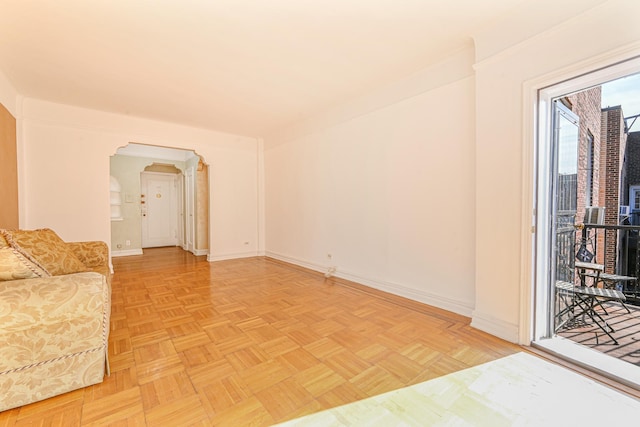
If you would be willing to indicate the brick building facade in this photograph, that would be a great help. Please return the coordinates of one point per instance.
(586, 105)
(632, 177)
(602, 166)
(612, 165)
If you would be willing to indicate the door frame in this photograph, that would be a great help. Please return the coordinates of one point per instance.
(174, 214)
(537, 203)
(562, 117)
(538, 94)
(190, 209)
(180, 195)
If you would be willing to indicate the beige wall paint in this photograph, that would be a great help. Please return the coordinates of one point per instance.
(201, 208)
(75, 200)
(8, 171)
(201, 202)
(9, 154)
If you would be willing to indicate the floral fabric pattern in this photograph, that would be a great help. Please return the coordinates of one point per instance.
(53, 336)
(15, 266)
(91, 254)
(54, 330)
(94, 255)
(39, 382)
(46, 248)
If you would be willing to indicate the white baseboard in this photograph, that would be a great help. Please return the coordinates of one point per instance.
(126, 253)
(295, 261)
(196, 252)
(224, 257)
(458, 307)
(499, 328)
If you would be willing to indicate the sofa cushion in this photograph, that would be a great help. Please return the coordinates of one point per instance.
(92, 254)
(15, 266)
(47, 249)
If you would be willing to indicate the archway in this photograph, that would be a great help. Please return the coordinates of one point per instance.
(192, 196)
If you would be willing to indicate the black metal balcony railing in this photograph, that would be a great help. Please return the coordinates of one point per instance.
(565, 245)
(614, 246)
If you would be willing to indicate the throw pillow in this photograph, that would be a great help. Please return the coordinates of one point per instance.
(3, 241)
(46, 248)
(15, 266)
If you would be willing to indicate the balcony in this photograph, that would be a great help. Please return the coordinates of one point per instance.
(626, 332)
(615, 248)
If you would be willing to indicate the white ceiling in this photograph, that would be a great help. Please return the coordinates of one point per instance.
(241, 66)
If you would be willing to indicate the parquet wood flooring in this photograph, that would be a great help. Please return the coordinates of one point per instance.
(254, 342)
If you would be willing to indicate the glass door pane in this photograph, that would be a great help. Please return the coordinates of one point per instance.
(565, 199)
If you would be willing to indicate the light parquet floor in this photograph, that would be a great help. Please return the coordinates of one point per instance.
(254, 342)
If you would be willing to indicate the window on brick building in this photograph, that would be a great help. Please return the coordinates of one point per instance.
(634, 198)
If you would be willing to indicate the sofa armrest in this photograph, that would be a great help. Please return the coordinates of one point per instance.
(54, 334)
(92, 254)
(37, 324)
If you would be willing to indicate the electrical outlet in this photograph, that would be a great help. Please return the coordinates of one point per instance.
(329, 256)
(127, 242)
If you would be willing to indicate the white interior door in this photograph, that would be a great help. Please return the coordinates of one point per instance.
(159, 209)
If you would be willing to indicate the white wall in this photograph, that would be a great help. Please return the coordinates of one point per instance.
(504, 145)
(65, 181)
(388, 193)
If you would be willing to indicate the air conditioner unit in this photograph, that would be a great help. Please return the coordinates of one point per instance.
(594, 215)
(624, 211)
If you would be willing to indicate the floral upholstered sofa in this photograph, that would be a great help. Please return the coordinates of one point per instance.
(55, 306)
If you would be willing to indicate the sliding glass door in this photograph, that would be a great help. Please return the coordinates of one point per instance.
(564, 197)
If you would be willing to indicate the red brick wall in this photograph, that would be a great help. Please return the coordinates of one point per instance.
(611, 164)
(586, 105)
